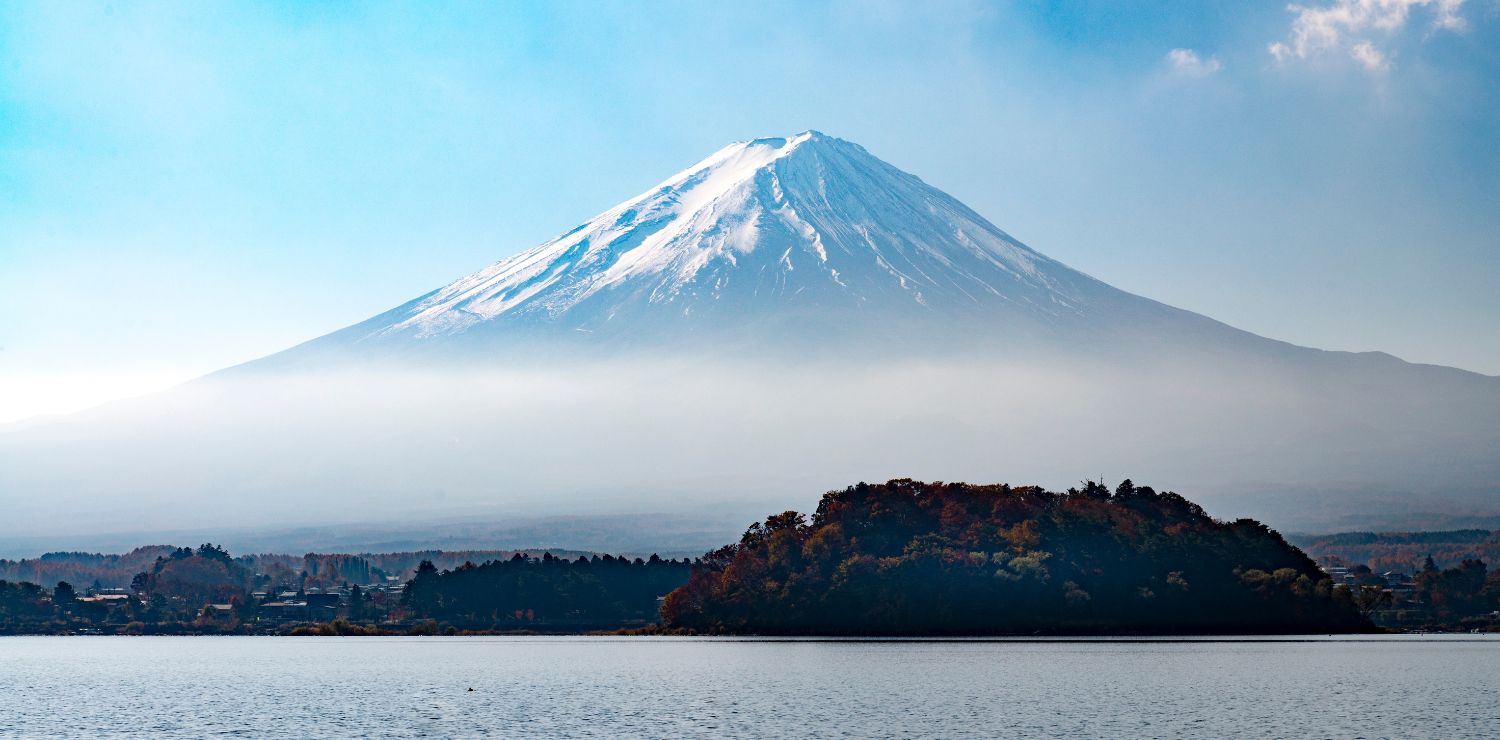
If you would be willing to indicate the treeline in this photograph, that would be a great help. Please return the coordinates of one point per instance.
(912, 558)
(206, 590)
(101, 571)
(599, 592)
(1403, 551)
(203, 590)
(1466, 596)
(83, 568)
(1440, 537)
(1467, 591)
(193, 578)
(311, 570)
(900, 558)
(24, 607)
(404, 564)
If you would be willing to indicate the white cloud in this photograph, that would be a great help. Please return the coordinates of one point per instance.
(1345, 25)
(1367, 55)
(1187, 63)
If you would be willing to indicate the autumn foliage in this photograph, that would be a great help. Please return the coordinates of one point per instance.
(912, 558)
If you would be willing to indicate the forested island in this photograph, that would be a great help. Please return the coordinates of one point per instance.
(912, 558)
(899, 558)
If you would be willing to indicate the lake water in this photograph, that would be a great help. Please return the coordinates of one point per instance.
(163, 687)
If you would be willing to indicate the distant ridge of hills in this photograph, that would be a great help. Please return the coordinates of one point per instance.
(1403, 552)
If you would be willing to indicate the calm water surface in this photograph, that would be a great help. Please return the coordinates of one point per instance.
(166, 687)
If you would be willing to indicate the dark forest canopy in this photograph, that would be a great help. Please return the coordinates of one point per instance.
(536, 593)
(912, 558)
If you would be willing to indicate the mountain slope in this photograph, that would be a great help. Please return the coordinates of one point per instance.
(807, 221)
(807, 239)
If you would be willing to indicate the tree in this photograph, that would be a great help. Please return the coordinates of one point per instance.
(209, 551)
(356, 603)
(63, 595)
(421, 592)
(1370, 599)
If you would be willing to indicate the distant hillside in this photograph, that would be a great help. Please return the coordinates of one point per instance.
(83, 569)
(326, 570)
(1403, 551)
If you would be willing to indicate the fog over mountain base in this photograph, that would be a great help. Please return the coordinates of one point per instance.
(722, 442)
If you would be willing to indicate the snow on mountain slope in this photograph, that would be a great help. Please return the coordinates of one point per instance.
(808, 223)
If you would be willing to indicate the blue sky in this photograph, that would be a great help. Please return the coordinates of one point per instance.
(185, 186)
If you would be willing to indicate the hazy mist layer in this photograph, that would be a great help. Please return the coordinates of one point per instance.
(1348, 443)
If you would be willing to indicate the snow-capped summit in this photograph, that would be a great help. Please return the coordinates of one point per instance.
(771, 229)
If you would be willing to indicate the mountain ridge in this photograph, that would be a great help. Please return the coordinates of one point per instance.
(768, 246)
(808, 242)
(808, 222)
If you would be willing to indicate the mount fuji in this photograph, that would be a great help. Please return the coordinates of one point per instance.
(802, 241)
(787, 315)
